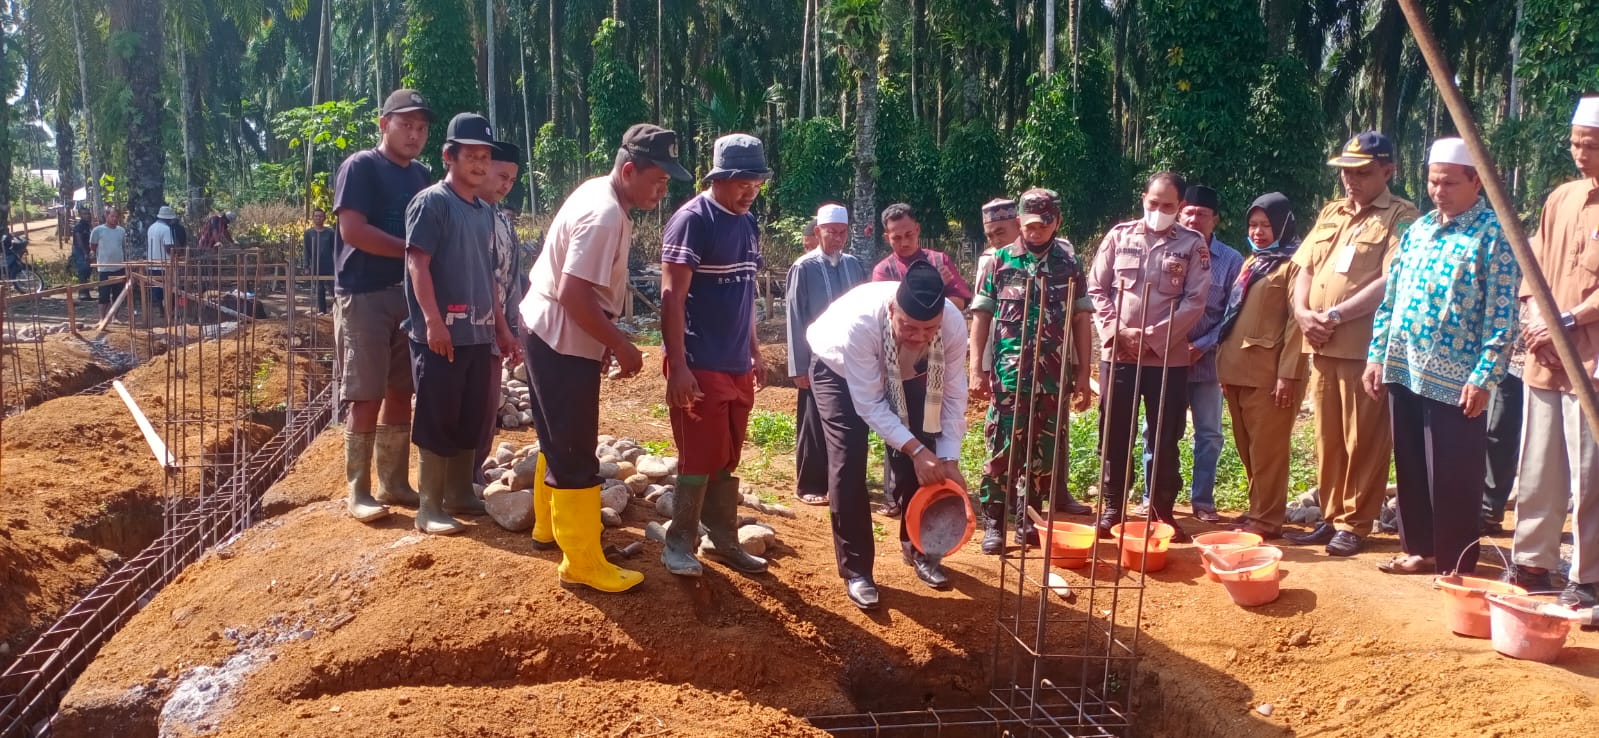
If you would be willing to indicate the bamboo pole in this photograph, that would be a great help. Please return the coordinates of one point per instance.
(1488, 170)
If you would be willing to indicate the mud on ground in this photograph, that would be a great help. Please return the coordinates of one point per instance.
(80, 489)
(312, 624)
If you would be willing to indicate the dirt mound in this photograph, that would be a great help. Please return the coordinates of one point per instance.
(578, 707)
(81, 483)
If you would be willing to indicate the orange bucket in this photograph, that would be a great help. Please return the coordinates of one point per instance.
(1141, 555)
(1466, 603)
(1220, 541)
(1070, 544)
(1525, 628)
(1249, 574)
(939, 519)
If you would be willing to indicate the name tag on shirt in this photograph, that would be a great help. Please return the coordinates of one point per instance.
(1346, 258)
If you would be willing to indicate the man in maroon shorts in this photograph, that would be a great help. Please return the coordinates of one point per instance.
(710, 255)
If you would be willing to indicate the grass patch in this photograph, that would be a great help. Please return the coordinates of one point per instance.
(772, 431)
(657, 448)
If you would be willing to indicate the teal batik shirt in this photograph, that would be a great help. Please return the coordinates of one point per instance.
(1449, 314)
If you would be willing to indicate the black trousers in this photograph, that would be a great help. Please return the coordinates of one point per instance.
(1118, 418)
(1504, 447)
(1439, 457)
(845, 434)
(810, 448)
(451, 398)
(564, 396)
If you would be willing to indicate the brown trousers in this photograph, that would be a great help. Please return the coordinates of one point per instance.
(1354, 443)
(1264, 435)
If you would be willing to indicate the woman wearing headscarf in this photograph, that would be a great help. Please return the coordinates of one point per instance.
(1260, 364)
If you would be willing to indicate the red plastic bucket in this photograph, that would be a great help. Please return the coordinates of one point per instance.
(1138, 553)
(939, 519)
(1466, 603)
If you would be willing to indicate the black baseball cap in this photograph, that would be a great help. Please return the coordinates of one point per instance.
(405, 101)
(508, 152)
(656, 145)
(1364, 149)
(470, 129)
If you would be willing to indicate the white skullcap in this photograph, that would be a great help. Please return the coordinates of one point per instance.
(1450, 151)
(1587, 114)
(832, 214)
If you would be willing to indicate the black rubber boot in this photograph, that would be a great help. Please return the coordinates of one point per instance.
(720, 517)
(993, 528)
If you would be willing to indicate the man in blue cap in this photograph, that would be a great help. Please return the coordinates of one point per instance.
(1343, 270)
(710, 256)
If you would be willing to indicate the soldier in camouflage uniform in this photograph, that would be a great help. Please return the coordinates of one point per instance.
(1035, 279)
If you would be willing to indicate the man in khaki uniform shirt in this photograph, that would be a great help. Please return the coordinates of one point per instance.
(1343, 270)
(1148, 283)
(1559, 459)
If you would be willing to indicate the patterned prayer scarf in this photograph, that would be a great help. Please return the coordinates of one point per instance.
(932, 408)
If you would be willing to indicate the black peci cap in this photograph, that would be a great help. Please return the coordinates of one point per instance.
(656, 145)
(1203, 196)
(507, 152)
(405, 101)
(921, 292)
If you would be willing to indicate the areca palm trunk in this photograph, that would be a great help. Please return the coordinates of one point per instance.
(88, 111)
(140, 70)
(865, 60)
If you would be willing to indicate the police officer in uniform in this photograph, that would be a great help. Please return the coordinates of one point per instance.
(1148, 285)
(1343, 268)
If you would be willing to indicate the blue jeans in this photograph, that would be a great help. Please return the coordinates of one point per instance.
(1204, 403)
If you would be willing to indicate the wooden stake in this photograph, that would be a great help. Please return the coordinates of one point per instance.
(157, 446)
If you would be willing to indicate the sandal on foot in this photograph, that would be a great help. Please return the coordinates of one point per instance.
(1408, 565)
(813, 499)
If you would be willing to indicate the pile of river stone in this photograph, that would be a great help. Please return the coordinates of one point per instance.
(632, 475)
(515, 409)
(1307, 510)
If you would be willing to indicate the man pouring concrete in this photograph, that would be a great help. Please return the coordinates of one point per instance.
(889, 357)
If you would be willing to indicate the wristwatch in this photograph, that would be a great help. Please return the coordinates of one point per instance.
(1335, 316)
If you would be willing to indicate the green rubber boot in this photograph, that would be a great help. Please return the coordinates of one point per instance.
(392, 454)
(683, 537)
(721, 525)
(459, 497)
(435, 477)
(358, 476)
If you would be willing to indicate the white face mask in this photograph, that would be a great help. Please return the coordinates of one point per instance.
(1158, 220)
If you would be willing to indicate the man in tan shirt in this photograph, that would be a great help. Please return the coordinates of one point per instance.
(1343, 270)
(1559, 459)
(1148, 285)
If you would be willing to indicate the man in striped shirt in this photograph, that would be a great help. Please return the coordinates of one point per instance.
(710, 255)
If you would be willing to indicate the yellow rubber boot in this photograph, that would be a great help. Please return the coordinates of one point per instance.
(543, 528)
(576, 517)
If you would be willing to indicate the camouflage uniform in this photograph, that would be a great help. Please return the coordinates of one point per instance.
(1058, 291)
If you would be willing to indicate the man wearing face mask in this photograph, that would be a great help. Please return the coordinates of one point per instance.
(1148, 284)
(815, 280)
(1032, 288)
(1343, 271)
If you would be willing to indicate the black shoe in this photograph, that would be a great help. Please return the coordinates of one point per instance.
(993, 538)
(1528, 580)
(931, 573)
(1073, 507)
(1343, 543)
(1027, 535)
(1110, 519)
(1322, 535)
(1491, 527)
(1576, 596)
(862, 592)
(1178, 534)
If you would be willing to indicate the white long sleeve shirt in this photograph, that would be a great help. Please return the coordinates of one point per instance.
(848, 338)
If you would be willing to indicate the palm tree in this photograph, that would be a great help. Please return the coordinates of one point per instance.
(137, 67)
(859, 23)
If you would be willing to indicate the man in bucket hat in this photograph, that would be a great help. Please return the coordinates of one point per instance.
(710, 256)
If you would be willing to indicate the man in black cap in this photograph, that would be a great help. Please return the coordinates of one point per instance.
(710, 255)
(1343, 270)
(370, 193)
(576, 289)
(456, 325)
(890, 357)
(504, 251)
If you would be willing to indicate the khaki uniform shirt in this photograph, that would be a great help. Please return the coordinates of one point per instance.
(1174, 266)
(1567, 251)
(1346, 252)
(1264, 343)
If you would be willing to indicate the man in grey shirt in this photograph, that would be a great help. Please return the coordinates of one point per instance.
(456, 325)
